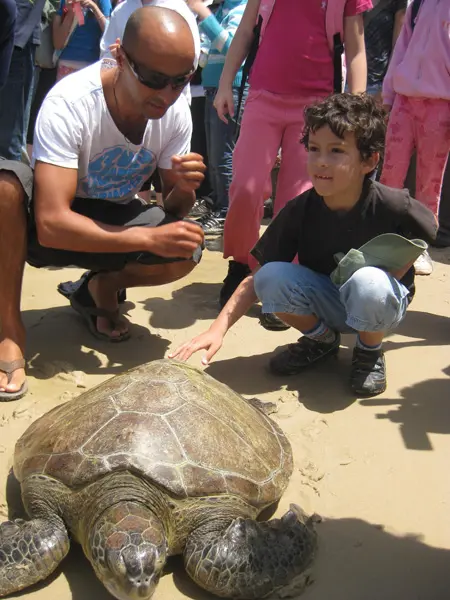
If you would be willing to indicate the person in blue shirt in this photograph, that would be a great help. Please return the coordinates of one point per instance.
(79, 44)
(217, 31)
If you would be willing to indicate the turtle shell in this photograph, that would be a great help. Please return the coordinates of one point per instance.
(169, 423)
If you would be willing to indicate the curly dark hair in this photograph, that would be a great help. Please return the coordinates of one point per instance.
(343, 113)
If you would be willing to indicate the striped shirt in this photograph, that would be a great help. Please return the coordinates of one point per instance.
(217, 34)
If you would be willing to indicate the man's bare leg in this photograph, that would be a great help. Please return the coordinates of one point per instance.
(103, 287)
(12, 260)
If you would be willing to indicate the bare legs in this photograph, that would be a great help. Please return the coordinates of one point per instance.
(12, 261)
(104, 287)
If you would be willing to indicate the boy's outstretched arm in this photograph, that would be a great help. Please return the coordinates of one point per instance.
(211, 340)
(355, 54)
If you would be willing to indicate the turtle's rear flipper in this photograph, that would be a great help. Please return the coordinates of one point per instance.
(30, 551)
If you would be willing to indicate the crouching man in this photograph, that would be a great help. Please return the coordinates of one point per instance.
(100, 134)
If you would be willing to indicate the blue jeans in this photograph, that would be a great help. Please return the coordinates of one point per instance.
(15, 102)
(371, 300)
(220, 142)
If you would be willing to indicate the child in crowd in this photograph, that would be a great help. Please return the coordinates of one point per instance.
(219, 29)
(344, 137)
(382, 26)
(293, 68)
(416, 91)
(79, 44)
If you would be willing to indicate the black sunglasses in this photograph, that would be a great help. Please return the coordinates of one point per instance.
(159, 81)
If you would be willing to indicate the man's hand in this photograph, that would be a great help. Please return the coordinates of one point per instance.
(224, 102)
(189, 171)
(210, 340)
(175, 240)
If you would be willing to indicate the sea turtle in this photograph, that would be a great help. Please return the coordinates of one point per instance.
(160, 460)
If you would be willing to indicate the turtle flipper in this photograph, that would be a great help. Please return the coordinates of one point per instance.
(30, 551)
(250, 559)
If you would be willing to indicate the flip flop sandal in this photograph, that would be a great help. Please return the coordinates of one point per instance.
(83, 303)
(9, 368)
(67, 288)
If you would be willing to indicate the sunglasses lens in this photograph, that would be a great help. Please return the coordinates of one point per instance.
(156, 81)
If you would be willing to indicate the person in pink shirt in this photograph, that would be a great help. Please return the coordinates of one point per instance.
(293, 69)
(416, 92)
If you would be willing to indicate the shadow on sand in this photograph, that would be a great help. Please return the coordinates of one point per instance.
(356, 560)
(58, 340)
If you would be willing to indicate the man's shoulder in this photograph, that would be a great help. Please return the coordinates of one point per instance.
(178, 115)
(73, 88)
(125, 9)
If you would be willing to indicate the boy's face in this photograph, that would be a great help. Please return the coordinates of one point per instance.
(334, 164)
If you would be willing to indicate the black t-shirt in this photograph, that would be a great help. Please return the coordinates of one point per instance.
(378, 36)
(308, 228)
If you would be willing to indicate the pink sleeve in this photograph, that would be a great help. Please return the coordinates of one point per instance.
(356, 7)
(397, 56)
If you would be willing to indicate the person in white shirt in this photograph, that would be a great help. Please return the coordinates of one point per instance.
(100, 134)
(123, 11)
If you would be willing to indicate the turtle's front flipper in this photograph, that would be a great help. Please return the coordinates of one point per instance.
(249, 559)
(30, 551)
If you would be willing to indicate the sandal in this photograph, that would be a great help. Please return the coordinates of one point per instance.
(82, 301)
(9, 367)
(67, 288)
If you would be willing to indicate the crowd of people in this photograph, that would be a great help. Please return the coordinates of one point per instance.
(155, 123)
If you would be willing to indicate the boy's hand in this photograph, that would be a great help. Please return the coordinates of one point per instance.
(210, 340)
(190, 170)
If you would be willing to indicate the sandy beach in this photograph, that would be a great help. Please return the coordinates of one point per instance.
(376, 470)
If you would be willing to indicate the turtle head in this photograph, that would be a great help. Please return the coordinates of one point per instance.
(127, 547)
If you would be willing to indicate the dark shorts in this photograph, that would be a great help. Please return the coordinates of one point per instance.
(132, 214)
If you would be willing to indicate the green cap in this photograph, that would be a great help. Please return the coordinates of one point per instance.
(388, 251)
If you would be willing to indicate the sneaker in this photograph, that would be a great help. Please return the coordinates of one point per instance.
(212, 223)
(271, 322)
(424, 264)
(202, 206)
(237, 272)
(302, 354)
(368, 374)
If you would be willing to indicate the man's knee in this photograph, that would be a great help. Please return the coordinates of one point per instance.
(374, 299)
(11, 190)
(162, 273)
(178, 270)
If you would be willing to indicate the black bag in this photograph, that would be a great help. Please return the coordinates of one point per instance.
(247, 67)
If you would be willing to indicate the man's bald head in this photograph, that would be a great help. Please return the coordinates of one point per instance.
(160, 36)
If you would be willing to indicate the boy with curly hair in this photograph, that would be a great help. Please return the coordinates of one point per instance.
(344, 137)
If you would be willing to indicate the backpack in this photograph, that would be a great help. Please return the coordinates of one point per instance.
(416, 4)
(334, 24)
